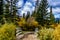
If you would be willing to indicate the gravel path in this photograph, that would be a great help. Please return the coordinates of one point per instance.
(31, 37)
(28, 36)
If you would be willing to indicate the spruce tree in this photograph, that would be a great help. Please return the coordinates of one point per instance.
(1, 12)
(23, 15)
(36, 7)
(52, 19)
(10, 10)
(28, 15)
(42, 12)
(1, 7)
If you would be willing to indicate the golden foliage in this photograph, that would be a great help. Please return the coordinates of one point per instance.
(54, 25)
(56, 33)
(35, 23)
(50, 33)
(45, 34)
(31, 22)
(7, 32)
(22, 22)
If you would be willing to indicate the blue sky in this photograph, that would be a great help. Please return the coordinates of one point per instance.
(29, 5)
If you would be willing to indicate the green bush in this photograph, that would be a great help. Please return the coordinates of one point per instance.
(7, 32)
(45, 34)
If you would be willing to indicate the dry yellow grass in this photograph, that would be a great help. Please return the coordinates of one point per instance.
(55, 25)
(56, 33)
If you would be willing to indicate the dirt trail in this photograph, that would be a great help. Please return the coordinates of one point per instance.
(29, 37)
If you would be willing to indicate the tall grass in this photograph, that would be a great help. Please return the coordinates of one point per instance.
(56, 33)
(7, 31)
(45, 34)
(49, 33)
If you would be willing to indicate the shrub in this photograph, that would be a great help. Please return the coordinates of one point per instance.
(22, 22)
(29, 24)
(56, 33)
(7, 32)
(45, 34)
(54, 25)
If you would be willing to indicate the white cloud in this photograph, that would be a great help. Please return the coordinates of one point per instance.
(19, 4)
(28, 4)
(57, 16)
(27, 7)
(54, 2)
(48, 9)
(34, 0)
(33, 8)
(56, 10)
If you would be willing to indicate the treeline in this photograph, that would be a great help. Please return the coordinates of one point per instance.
(40, 16)
(8, 11)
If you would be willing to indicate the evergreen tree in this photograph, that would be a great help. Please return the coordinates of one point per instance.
(28, 15)
(10, 10)
(42, 12)
(1, 7)
(1, 12)
(23, 15)
(36, 7)
(52, 19)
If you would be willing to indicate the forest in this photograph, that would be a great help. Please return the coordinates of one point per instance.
(42, 22)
